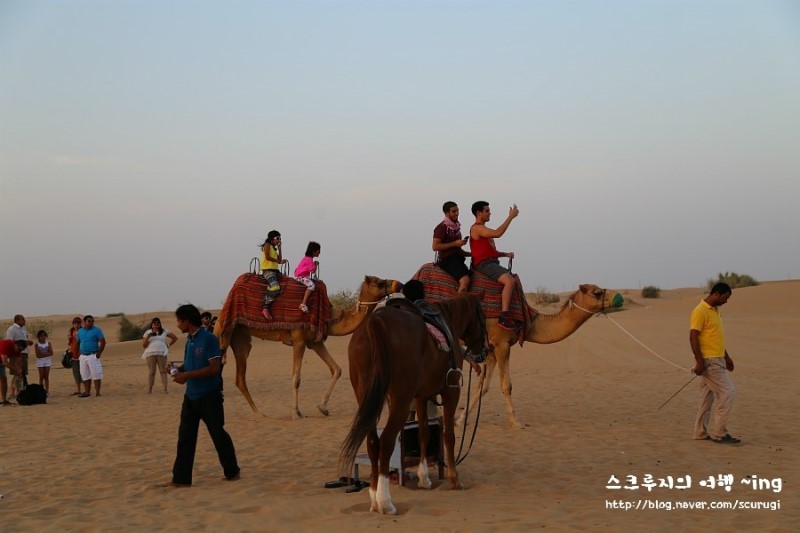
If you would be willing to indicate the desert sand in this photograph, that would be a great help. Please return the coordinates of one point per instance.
(589, 405)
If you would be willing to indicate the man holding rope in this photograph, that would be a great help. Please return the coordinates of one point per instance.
(707, 339)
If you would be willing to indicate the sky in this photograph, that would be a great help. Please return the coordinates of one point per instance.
(147, 147)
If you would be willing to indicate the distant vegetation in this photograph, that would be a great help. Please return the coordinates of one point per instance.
(651, 291)
(112, 315)
(128, 331)
(32, 325)
(543, 296)
(344, 299)
(733, 279)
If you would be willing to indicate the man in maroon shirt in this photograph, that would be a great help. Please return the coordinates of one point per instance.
(10, 357)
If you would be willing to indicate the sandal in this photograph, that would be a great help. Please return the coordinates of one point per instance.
(304, 308)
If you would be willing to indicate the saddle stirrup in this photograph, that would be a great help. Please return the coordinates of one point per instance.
(460, 378)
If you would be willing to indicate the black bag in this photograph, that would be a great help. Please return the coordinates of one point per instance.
(33, 394)
(66, 359)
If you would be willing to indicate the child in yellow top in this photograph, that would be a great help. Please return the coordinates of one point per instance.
(271, 261)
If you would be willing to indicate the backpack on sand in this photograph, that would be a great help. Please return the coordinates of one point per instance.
(33, 394)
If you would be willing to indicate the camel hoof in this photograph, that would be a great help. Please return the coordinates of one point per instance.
(323, 409)
(297, 415)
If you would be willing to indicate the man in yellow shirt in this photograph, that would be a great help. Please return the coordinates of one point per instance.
(712, 364)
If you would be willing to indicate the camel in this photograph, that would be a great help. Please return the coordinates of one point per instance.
(584, 303)
(232, 333)
(579, 307)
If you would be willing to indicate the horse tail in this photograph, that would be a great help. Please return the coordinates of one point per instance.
(371, 403)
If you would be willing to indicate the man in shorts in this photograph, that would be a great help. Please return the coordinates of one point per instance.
(92, 343)
(17, 332)
(10, 358)
(485, 255)
(447, 242)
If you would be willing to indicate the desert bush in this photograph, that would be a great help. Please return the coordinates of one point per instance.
(128, 331)
(733, 279)
(32, 325)
(343, 299)
(651, 291)
(543, 296)
(114, 315)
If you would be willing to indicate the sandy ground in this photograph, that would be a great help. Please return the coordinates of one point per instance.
(589, 405)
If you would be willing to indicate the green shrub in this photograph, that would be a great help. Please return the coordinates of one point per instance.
(343, 299)
(542, 296)
(128, 331)
(113, 315)
(733, 279)
(651, 291)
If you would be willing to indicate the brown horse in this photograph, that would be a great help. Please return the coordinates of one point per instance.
(394, 357)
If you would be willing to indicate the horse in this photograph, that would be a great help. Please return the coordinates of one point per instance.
(393, 357)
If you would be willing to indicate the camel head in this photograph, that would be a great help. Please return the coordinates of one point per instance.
(593, 299)
(375, 289)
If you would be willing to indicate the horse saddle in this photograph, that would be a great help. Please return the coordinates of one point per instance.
(437, 326)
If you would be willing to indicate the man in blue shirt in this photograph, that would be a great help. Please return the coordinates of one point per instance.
(202, 401)
(91, 342)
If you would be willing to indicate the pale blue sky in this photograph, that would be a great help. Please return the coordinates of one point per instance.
(146, 147)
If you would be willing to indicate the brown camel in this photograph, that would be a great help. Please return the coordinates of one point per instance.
(584, 303)
(239, 337)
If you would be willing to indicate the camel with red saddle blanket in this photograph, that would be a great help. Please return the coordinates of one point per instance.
(535, 327)
(240, 320)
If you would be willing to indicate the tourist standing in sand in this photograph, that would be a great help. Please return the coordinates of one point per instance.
(712, 364)
(10, 352)
(485, 255)
(17, 332)
(447, 242)
(202, 401)
(156, 342)
(75, 353)
(44, 359)
(92, 343)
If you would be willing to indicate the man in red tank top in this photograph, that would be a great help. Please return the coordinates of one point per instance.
(485, 255)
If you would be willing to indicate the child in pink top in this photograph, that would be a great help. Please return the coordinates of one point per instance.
(305, 268)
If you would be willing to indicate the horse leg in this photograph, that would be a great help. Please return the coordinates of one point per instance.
(422, 419)
(503, 353)
(449, 404)
(241, 345)
(336, 372)
(298, 349)
(373, 450)
(397, 418)
(480, 389)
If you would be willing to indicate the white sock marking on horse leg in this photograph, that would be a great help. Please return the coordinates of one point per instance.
(385, 504)
(373, 502)
(423, 475)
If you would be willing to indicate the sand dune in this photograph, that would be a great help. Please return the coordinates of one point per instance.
(589, 405)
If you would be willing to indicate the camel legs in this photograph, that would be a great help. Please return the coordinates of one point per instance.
(480, 389)
(241, 345)
(298, 350)
(502, 353)
(336, 373)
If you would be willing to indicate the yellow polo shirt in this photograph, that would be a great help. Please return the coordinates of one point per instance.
(706, 319)
(270, 262)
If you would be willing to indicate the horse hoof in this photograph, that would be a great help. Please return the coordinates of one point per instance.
(323, 409)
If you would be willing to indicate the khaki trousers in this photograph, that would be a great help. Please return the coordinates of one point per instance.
(716, 400)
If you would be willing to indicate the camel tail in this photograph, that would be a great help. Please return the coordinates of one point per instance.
(371, 403)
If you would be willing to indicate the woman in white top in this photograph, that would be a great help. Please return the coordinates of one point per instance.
(157, 341)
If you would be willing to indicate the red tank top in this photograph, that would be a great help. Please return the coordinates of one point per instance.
(481, 250)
